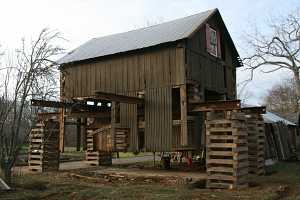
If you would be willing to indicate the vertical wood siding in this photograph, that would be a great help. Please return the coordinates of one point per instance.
(207, 69)
(154, 72)
(125, 73)
(128, 119)
(158, 118)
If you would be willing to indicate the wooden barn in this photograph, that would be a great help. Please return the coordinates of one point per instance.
(165, 88)
(170, 66)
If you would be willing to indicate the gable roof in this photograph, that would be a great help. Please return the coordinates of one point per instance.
(138, 39)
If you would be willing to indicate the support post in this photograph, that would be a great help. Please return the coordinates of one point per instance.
(78, 135)
(62, 130)
(183, 109)
(113, 123)
(84, 134)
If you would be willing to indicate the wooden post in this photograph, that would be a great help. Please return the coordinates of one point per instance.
(113, 123)
(84, 134)
(62, 130)
(183, 109)
(78, 141)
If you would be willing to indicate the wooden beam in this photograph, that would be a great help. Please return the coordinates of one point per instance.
(62, 130)
(113, 123)
(183, 116)
(84, 134)
(216, 106)
(60, 104)
(255, 109)
(117, 98)
(83, 114)
(78, 141)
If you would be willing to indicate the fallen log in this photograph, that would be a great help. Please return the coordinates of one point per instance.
(3, 185)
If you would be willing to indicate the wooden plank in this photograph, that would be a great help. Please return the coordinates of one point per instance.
(62, 130)
(183, 116)
(216, 106)
(78, 134)
(118, 98)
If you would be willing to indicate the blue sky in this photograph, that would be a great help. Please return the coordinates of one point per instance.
(81, 20)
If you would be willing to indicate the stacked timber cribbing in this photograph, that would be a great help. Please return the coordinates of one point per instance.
(226, 150)
(256, 143)
(43, 147)
(97, 158)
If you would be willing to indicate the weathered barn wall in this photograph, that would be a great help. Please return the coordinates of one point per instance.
(209, 70)
(128, 119)
(155, 72)
(159, 67)
(158, 118)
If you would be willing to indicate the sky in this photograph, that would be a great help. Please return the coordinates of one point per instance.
(81, 20)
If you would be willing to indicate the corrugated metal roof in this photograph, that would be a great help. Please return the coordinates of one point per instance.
(272, 118)
(138, 39)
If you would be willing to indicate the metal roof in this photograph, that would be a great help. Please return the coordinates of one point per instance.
(138, 39)
(272, 118)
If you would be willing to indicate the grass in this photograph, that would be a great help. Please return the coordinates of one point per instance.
(60, 186)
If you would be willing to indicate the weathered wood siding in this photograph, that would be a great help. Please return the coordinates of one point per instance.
(158, 118)
(128, 119)
(153, 71)
(209, 70)
(124, 73)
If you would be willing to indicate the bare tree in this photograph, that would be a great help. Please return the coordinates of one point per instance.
(278, 50)
(283, 98)
(30, 72)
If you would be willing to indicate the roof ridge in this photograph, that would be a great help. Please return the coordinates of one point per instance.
(169, 31)
(163, 23)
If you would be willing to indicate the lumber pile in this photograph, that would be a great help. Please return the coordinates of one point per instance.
(121, 139)
(226, 150)
(97, 158)
(280, 144)
(43, 154)
(108, 139)
(256, 143)
(94, 156)
(102, 142)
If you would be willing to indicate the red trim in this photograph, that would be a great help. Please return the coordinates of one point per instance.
(208, 38)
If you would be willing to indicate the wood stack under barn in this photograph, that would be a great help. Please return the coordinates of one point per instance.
(226, 150)
(256, 143)
(43, 147)
(102, 142)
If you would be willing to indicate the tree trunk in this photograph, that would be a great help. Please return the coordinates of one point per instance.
(297, 82)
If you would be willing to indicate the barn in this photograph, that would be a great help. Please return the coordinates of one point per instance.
(173, 66)
(165, 88)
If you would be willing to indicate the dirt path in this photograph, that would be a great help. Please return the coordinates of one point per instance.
(115, 161)
(149, 173)
(82, 164)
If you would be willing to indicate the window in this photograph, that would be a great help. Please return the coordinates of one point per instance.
(212, 40)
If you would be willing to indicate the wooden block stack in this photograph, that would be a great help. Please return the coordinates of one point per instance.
(90, 140)
(96, 158)
(43, 154)
(121, 139)
(226, 150)
(256, 143)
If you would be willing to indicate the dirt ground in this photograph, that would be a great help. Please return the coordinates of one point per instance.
(136, 182)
